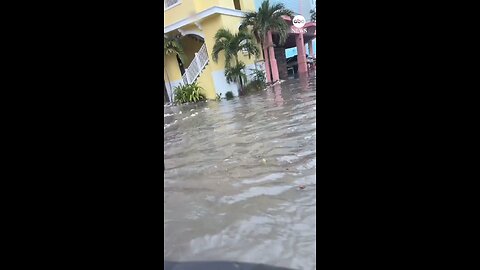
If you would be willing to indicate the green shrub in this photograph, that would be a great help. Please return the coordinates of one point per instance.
(255, 85)
(188, 93)
(229, 95)
(259, 75)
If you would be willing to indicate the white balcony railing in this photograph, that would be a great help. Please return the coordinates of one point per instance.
(196, 66)
(170, 3)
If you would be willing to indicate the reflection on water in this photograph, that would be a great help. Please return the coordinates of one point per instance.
(240, 180)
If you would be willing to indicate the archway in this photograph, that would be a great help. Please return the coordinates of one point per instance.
(191, 43)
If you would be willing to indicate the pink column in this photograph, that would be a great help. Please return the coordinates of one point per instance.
(301, 57)
(267, 64)
(273, 61)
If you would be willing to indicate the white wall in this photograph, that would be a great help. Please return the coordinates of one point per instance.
(249, 70)
(174, 84)
(221, 85)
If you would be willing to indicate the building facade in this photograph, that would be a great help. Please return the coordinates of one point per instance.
(195, 23)
(301, 7)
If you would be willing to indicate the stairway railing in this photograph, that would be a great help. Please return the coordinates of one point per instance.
(196, 66)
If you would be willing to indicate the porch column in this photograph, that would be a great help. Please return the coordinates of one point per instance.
(273, 61)
(301, 54)
(267, 63)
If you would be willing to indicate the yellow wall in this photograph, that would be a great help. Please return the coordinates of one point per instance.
(189, 8)
(232, 24)
(171, 65)
(209, 26)
(206, 81)
(205, 4)
(248, 5)
(180, 12)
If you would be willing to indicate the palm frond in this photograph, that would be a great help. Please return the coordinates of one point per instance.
(281, 27)
(217, 48)
(172, 46)
(235, 73)
(223, 34)
(267, 17)
(231, 44)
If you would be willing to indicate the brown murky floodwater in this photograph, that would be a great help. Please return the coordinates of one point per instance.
(240, 179)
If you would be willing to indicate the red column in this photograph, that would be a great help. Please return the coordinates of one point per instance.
(301, 54)
(267, 63)
(273, 61)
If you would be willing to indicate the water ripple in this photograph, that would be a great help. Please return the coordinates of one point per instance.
(234, 172)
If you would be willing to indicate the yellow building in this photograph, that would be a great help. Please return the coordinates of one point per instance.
(196, 23)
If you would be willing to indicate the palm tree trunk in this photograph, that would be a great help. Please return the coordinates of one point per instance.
(240, 91)
(169, 84)
(263, 53)
(241, 84)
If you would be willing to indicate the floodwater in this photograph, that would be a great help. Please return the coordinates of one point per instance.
(240, 178)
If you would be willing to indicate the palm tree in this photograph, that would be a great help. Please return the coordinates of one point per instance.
(313, 15)
(236, 74)
(267, 18)
(231, 44)
(172, 46)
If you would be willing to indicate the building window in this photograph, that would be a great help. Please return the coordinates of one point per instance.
(170, 3)
(236, 3)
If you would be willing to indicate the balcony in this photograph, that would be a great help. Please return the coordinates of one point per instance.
(168, 4)
(178, 10)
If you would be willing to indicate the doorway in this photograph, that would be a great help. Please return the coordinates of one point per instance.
(180, 64)
(165, 93)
